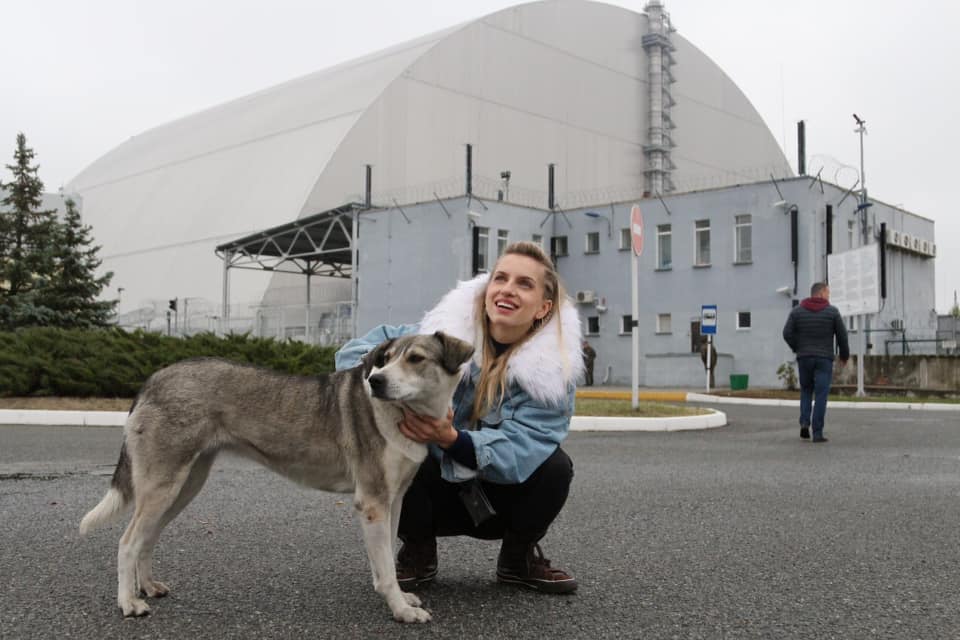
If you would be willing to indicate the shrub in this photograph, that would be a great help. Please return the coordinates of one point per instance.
(46, 361)
(788, 376)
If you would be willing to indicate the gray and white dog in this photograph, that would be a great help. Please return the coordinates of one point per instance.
(335, 433)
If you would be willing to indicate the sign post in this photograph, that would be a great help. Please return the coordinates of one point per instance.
(708, 328)
(855, 291)
(636, 235)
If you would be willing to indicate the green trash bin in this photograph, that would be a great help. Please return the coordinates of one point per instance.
(738, 381)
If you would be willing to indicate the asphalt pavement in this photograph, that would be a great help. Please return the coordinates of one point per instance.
(744, 531)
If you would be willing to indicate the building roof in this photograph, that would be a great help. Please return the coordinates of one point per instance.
(527, 86)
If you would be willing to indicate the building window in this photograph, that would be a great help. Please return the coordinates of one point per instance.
(626, 240)
(664, 247)
(593, 242)
(850, 227)
(558, 246)
(702, 243)
(663, 323)
(626, 324)
(743, 238)
(503, 239)
(743, 320)
(593, 326)
(481, 249)
(537, 239)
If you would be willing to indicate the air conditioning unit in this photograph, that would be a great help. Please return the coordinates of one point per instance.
(896, 324)
(925, 248)
(933, 249)
(586, 297)
(905, 241)
(916, 244)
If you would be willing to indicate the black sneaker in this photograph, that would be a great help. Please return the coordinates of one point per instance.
(805, 432)
(535, 572)
(417, 563)
(820, 439)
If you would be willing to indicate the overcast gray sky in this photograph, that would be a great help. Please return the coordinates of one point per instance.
(80, 77)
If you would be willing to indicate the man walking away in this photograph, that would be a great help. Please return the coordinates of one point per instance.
(810, 331)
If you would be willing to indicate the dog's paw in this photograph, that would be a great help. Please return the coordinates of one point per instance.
(134, 607)
(155, 589)
(411, 599)
(411, 614)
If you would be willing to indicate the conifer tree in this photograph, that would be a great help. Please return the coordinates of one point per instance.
(26, 243)
(72, 292)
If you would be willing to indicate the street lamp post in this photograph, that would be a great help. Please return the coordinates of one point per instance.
(865, 239)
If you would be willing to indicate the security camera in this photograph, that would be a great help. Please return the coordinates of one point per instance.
(473, 216)
(780, 203)
(785, 290)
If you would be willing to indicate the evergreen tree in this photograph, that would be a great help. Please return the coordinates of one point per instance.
(26, 244)
(72, 292)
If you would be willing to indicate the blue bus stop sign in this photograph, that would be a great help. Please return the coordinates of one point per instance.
(708, 319)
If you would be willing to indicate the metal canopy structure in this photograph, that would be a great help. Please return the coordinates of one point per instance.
(323, 244)
(318, 245)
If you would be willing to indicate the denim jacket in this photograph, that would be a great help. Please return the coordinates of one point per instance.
(513, 439)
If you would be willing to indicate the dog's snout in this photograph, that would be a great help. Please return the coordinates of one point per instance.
(378, 384)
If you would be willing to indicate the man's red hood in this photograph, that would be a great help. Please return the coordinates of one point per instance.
(815, 304)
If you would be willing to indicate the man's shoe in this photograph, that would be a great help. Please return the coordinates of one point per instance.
(805, 432)
(820, 439)
(417, 563)
(534, 571)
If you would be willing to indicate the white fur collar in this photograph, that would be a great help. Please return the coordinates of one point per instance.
(544, 366)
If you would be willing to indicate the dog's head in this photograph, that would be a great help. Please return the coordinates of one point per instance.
(418, 371)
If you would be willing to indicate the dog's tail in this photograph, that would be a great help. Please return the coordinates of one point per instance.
(117, 500)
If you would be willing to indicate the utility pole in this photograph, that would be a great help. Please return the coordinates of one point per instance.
(864, 327)
(862, 129)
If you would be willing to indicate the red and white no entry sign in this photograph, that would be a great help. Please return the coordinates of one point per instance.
(636, 229)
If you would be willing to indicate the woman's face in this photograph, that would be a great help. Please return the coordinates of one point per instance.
(515, 297)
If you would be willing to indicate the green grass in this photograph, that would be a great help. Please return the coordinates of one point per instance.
(618, 408)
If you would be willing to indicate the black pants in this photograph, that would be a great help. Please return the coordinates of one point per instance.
(432, 506)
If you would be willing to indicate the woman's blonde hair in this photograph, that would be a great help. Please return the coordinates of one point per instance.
(493, 373)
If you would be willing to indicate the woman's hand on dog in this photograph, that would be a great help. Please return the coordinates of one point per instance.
(425, 429)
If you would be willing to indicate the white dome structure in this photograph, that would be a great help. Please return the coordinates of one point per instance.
(562, 82)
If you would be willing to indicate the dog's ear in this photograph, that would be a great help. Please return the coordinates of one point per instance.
(455, 351)
(376, 358)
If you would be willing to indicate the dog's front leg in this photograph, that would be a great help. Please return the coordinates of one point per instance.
(377, 529)
(395, 509)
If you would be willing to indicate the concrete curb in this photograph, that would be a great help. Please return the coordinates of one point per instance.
(711, 420)
(578, 423)
(839, 404)
(63, 418)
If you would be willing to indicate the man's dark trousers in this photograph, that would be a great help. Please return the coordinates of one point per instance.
(816, 375)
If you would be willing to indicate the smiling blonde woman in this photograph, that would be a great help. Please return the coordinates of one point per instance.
(496, 470)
